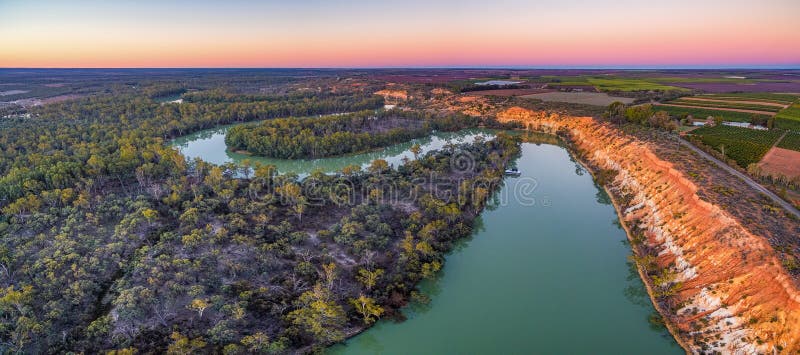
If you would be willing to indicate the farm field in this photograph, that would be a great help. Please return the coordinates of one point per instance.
(607, 83)
(586, 98)
(754, 96)
(735, 101)
(619, 84)
(792, 142)
(761, 86)
(702, 113)
(740, 105)
(708, 79)
(779, 161)
(722, 109)
(743, 145)
(789, 118)
(646, 82)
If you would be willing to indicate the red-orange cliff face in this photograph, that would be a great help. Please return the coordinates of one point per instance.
(728, 291)
(393, 96)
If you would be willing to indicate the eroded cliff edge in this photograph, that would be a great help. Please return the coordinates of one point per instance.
(719, 286)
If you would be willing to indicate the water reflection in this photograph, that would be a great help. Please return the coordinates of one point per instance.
(544, 279)
(210, 146)
(634, 290)
(532, 279)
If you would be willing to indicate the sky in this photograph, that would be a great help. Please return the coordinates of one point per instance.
(392, 33)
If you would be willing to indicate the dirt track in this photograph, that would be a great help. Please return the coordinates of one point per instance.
(747, 180)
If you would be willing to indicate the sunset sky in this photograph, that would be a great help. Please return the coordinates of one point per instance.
(417, 33)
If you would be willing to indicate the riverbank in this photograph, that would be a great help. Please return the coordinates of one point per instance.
(506, 261)
(718, 285)
(499, 291)
(671, 328)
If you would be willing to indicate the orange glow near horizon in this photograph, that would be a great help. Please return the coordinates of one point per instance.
(205, 34)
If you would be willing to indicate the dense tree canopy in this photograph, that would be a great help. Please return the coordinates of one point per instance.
(339, 134)
(109, 239)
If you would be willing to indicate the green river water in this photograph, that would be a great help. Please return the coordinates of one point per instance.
(545, 273)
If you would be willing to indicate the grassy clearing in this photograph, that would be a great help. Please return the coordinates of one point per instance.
(790, 141)
(703, 113)
(745, 146)
(743, 106)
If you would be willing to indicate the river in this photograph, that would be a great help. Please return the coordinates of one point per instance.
(545, 274)
(209, 145)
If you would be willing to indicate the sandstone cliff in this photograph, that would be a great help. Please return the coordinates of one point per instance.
(720, 287)
(393, 96)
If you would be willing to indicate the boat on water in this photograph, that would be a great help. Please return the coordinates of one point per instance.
(513, 172)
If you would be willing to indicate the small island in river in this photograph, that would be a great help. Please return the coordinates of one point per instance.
(318, 137)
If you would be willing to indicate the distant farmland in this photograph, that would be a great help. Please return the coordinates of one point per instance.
(762, 96)
(606, 83)
(586, 98)
(739, 107)
(644, 82)
(764, 108)
(702, 113)
(745, 146)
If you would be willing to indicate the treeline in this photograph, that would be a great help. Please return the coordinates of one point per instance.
(161, 90)
(336, 135)
(640, 114)
(214, 96)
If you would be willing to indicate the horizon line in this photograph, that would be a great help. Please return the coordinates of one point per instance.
(457, 67)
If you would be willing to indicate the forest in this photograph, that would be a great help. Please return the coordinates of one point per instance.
(102, 136)
(112, 240)
(292, 138)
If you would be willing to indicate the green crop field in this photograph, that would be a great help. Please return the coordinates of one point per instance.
(617, 84)
(676, 80)
(607, 83)
(791, 141)
(735, 105)
(789, 118)
(702, 113)
(759, 96)
(745, 146)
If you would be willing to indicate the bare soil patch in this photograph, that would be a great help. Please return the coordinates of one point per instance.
(586, 98)
(766, 113)
(393, 95)
(781, 161)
